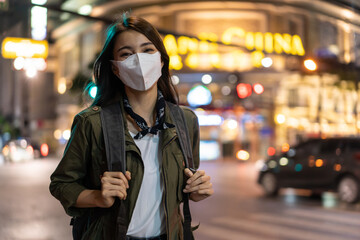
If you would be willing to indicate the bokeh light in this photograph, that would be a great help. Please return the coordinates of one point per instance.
(242, 155)
(206, 78)
(267, 62)
(271, 151)
(310, 65)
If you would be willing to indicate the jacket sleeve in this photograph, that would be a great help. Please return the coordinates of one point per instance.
(194, 130)
(67, 181)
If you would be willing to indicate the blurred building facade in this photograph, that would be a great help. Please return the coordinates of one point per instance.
(26, 103)
(229, 40)
(245, 60)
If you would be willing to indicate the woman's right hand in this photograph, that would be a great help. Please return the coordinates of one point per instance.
(113, 184)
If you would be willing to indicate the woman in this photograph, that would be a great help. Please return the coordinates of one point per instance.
(133, 72)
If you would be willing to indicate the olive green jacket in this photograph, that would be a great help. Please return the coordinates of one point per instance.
(84, 162)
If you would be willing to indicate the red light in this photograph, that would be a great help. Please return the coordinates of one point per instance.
(44, 149)
(243, 90)
(258, 88)
(271, 151)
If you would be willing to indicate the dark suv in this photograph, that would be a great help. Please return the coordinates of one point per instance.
(317, 164)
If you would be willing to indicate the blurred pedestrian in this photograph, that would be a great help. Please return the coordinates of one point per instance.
(131, 72)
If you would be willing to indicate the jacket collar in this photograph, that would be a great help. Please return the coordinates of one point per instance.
(129, 141)
(165, 135)
(168, 134)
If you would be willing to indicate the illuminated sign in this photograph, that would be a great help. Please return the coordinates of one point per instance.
(209, 119)
(38, 20)
(209, 150)
(24, 47)
(206, 50)
(30, 63)
(199, 95)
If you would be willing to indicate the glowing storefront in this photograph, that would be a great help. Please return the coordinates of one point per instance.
(216, 45)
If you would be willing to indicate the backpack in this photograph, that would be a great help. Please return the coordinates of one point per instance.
(111, 120)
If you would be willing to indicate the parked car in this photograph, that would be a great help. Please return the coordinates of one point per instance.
(316, 164)
(18, 151)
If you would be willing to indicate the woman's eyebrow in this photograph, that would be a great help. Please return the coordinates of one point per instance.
(130, 48)
(124, 47)
(146, 43)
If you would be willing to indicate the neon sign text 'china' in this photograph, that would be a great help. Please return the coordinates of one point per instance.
(257, 43)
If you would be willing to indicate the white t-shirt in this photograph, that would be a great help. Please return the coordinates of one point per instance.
(148, 219)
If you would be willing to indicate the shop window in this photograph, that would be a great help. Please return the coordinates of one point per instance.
(67, 63)
(69, 58)
(357, 48)
(293, 98)
(311, 148)
(328, 35)
(293, 27)
(88, 50)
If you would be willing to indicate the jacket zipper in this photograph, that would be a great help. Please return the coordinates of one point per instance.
(165, 189)
(165, 203)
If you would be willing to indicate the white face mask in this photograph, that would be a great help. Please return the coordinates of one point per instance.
(140, 71)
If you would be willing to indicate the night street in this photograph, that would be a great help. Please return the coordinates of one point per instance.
(257, 91)
(236, 211)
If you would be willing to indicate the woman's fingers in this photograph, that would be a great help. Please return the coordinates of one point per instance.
(118, 175)
(208, 191)
(114, 181)
(193, 177)
(200, 180)
(109, 190)
(188, 172)
(198, 188)
(128, 175)
(115, 193)
(110, 187)
(114, 184)
(198, 183)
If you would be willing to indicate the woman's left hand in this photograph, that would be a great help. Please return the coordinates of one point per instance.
(198, 185)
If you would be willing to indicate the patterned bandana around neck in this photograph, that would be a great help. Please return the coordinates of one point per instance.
(160, 123)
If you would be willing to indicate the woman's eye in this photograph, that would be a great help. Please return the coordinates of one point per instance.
(149, 50)
(124, 55)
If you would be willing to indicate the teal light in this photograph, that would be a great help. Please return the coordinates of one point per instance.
(298, 167)
(93, 91)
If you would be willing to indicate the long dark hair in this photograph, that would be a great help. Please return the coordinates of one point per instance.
(109, 86)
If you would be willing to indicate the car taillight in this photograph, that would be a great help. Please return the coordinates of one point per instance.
(44, 149)
(271, 151)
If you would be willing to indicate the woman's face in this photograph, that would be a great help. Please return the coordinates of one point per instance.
(131, 42)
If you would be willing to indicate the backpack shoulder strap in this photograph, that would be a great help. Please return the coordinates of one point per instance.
(178, 116)
(112, 124)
